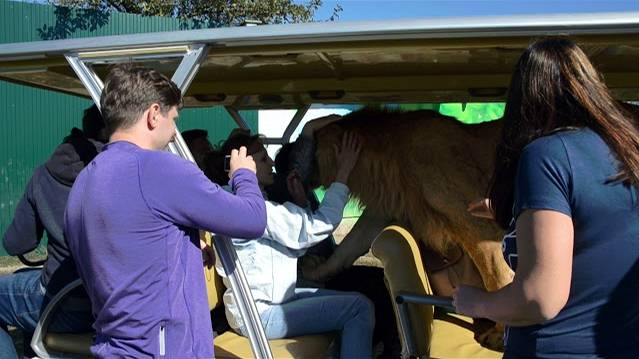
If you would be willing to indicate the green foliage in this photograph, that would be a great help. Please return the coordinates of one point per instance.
(353, 208)
(210, 13)
(473, 112)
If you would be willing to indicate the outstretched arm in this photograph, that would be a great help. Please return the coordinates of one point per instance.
(26, 229)
(541, 285)
(188, 198)
(299, 228)
(356, 243)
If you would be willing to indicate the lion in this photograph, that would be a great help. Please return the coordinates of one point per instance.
(420, 169)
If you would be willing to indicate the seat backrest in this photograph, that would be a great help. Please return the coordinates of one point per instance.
(214, 287)
(404, 271)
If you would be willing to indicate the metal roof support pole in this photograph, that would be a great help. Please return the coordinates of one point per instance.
(87, 76)
(239, 284)
(243, 297)
(273, 141)
(182, 77)
(189, 66)
(237, 117)
(224, 246)
(295, 121)
(290, 128)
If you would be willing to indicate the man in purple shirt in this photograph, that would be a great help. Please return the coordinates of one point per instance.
(132, 223)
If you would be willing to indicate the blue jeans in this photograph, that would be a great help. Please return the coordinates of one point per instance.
(22, 298)
(315, 310)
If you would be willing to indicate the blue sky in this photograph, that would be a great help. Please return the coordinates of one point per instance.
(392, 9)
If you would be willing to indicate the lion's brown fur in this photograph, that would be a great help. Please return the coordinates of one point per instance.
(422, 168)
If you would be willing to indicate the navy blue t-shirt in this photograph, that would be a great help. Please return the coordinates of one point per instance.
(570, 172)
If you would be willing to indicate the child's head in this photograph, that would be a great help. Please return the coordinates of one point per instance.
(214, 162)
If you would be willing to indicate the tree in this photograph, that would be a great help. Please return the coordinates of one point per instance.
(209, 13)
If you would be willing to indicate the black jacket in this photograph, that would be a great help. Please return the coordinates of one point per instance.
(42, 205)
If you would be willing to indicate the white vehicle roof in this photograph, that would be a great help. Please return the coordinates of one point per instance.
(442, 59)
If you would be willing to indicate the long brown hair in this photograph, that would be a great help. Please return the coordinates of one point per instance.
(554, 87)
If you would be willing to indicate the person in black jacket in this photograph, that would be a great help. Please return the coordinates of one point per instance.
(25, 293)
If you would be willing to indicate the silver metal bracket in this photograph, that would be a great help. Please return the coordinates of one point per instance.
(295, 121)
(87, 76)
(237, 117)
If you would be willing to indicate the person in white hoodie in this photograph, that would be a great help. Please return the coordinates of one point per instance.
(270, 262)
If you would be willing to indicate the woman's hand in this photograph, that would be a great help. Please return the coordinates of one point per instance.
(239, 159)
(347, 156)
(467, 300)
(481, 208)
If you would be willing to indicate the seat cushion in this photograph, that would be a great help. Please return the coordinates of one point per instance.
(77, 344)
(231, 345)
(453, 337)
(227, 345)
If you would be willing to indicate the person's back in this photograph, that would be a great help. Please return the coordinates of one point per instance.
(26, 293)
(567, 171)
(131, 245)
(42, 209)
(132, 220)
(602, 312)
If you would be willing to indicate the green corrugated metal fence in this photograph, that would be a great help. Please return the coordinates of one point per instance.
(34, 121)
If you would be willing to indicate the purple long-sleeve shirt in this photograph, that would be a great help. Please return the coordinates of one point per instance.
(130, 223)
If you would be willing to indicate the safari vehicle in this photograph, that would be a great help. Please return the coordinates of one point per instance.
(431, 60)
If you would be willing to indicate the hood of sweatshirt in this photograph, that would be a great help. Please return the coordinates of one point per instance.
(70, 157)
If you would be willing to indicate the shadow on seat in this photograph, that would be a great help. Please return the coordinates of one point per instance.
(426, 334)
(227, 345)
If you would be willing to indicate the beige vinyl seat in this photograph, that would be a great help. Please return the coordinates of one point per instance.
(436, 336)
(227, 345)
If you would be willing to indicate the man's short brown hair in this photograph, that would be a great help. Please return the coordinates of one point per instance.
(130, 90)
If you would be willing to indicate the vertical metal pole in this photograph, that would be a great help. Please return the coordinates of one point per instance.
(237, 117)
(295, 121)
(243, 297)
(87, 76)
(189, 66)
(224, 246)
(408, 346)
(183, 76)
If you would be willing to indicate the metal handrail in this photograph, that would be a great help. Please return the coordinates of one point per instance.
(37, 341)
(402, 299)
(243, 297)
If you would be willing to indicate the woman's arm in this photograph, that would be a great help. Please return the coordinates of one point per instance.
(541, 285)
(297, 228)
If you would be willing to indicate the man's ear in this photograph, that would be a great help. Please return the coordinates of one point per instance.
(151, 116)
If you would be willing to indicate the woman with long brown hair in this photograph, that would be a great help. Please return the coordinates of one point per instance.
(565, 186)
